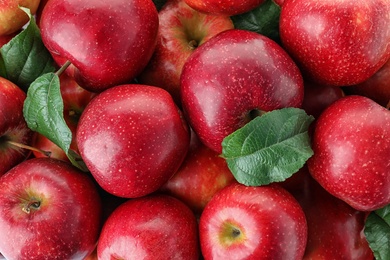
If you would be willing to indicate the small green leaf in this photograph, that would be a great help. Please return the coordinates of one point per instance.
(270, 148)
(264, 20)
(25, 58)
(377, 232)
(43, 110)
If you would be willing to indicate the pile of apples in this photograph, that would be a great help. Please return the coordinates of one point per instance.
(195, 129)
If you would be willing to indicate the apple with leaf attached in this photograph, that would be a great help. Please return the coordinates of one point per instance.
(234, 77)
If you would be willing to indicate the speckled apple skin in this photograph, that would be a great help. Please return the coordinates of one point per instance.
(226, 7)
(231, 75)
(132, 138)
(271, 221)
(108, 42)
(151, 228)
(68, 222)
(340, 42)
(351, 145)
(12, 125)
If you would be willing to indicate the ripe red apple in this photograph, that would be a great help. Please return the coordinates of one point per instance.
(133, 139)
(181, 30)
(48, 209)
(4, 39)
(242, 222)
(12, 18)
(229, 7)
(376, 87)
(233, 77)
(107, 42)
(150, 227)
(335, 229)
(202, 174)
(351, 145)
(75, 99)
(337, 42)
(13, 127)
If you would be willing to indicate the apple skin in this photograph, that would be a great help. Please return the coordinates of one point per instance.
(151, 227)
(376, 87)
(232, 77)
(75, 99)
(12, 18)
(242, 222)
(13, 127)
(67, 220)
(227, 7)
(202, 174)
(337, 43)
(115, 39)
(335, 229)
(351, 144)
(132, 138)
(181, 30)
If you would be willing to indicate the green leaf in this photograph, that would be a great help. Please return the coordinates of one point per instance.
(264, 20)
(43, 110)
(44, 113)
(377, 232)
(25, 58)
(270, 148)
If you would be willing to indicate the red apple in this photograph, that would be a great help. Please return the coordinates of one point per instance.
(13, 127)
(242, 222)
(337, 42)
(49, 210)
(133, 139)
(151, 227)
(75, 99)
(233, 77)
(4, 39)
(318, 97)
(351, 145)
(107, 42)
(228, 7)
(181, 30)
(377, 87)
(335, 229)
(202, 174)
(12, 18)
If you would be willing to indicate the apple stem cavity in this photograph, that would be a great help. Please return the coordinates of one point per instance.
(193, 44)
(34, 204)
(27, 147)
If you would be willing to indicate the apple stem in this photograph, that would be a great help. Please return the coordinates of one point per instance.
(35, 204)
(23, 146)
(63, 68)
